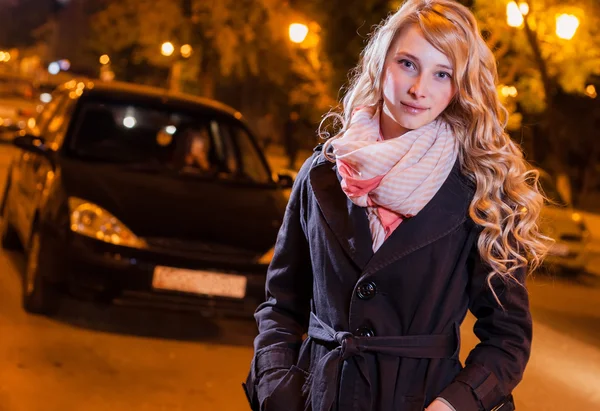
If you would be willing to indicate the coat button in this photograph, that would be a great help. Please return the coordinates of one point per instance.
(366, 291)
(364, 332)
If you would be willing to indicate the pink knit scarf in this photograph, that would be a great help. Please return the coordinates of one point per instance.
(394, 179)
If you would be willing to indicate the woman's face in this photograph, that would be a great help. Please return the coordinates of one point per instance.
(417, 83)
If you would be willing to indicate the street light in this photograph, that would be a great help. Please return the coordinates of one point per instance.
(167, 49)
(514, 14)
(508, 91)
(4, 56)
(186, 51)
(104, 59)
(590, 91)
(566, 26)
(298, 32)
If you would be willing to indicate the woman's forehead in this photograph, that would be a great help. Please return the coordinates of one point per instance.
(411, 41)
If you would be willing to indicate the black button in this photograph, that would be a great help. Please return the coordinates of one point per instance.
(366, 291)
(364, 332)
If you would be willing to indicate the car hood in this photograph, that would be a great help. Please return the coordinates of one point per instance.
(559, 222)
(187, 213)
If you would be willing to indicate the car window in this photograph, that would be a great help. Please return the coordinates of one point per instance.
(156, 137)
(225, 148)
(58, 124)
(44, 118)
(252, 165)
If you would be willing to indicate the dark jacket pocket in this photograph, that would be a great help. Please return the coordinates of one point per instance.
(291, 393)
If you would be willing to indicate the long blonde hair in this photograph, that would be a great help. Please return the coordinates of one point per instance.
(507, 200)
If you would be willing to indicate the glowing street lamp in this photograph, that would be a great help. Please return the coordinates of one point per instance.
(509, 91)
(186, 51)
(167, 49)
(566, 26)
(104, 59)
(514, 14)
(298, 32)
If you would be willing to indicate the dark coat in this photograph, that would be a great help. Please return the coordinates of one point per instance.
(345, 328)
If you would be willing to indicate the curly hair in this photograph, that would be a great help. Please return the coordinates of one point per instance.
(508, 199)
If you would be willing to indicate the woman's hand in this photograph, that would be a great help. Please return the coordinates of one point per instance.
(438, 405)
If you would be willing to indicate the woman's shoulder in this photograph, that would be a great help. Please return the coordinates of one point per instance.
(315, 159)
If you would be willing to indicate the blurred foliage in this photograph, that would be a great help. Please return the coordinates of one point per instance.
(233, 41)
(569, 63)
(550, 75)
(19, 19)
(345, 31)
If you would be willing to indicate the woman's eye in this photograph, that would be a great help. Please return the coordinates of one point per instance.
(406, 63)
(444, 75)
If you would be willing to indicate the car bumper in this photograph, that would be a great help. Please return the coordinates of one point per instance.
(92, 269)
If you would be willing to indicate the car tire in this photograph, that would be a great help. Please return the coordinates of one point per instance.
(9, 239)
(39, 295)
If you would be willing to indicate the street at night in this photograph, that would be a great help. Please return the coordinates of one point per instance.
(365, 172)
(94, 357)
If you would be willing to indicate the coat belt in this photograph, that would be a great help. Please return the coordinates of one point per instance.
(325, 378)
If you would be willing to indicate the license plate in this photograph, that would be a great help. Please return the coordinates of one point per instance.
(199, 282)
(559, 249)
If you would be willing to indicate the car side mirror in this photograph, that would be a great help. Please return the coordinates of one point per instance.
(285, 178)
(32, 144)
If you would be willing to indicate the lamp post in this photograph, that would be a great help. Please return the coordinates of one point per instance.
(307, 38)
(167, 49)
(566, 26)
(298, 32)
(106, 73)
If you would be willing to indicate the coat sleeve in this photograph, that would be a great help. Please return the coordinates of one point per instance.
(496, 365)
(283, 318)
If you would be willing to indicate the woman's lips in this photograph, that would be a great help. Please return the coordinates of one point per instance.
(409, 108)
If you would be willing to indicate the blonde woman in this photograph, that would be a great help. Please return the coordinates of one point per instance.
(419, 209)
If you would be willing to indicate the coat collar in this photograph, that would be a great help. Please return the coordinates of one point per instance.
(447, 210)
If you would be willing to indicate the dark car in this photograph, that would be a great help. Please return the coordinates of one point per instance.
(132, 194)
(18, 102)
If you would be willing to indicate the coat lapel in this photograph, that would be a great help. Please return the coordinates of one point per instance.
(348, 221)
(446, 211)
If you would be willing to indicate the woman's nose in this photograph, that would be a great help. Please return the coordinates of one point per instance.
(417, 89)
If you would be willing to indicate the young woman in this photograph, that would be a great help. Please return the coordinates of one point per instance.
(419, 209)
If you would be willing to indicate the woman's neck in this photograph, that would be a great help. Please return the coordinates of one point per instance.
(388, 127)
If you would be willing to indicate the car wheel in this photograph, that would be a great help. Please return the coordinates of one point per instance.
(8, 235)
(39, 296)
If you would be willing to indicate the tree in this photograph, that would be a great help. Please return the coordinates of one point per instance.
(19, 19)
(241, 51)
(544, 68)
(345, 31)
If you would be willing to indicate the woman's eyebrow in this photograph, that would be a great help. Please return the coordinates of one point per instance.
(416, 59)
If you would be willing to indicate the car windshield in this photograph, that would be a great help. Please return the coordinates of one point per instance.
(161, 139)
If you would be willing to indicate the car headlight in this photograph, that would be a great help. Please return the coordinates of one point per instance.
(578, 219)
(93, 221)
